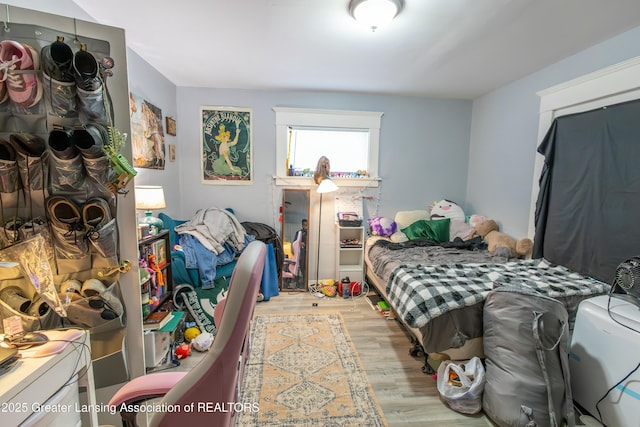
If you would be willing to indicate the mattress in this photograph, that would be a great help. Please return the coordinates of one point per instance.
(438, 292)
(454, 336)
(442, 334)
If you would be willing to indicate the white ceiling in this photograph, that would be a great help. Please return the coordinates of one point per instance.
(440, 48)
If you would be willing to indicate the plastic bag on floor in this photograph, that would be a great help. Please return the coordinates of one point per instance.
(461, 383)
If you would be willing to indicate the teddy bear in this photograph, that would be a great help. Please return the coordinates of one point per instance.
(501, 244)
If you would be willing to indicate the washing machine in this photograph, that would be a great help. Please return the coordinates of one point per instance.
(605, 348)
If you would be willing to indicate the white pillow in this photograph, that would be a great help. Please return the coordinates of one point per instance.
(399, 237)
(371, 240)
(405, 218)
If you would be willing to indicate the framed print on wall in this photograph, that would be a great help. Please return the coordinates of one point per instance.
(226, 141)
(171, 126)
(147, 135)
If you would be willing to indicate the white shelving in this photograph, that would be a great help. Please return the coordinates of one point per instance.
(350, 253)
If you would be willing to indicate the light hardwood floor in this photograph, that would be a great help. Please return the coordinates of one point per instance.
(408, 397)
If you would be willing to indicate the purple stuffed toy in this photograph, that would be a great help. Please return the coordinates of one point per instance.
(381, 226)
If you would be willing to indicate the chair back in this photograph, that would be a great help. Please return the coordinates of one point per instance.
(216, 379)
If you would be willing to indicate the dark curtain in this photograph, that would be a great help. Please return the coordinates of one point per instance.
(588, 209)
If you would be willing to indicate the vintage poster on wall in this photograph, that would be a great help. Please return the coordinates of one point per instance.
(147, 136)
(226, 142)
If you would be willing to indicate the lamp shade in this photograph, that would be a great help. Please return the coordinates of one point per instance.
(327, 186)
(149, 197)
(374, 13)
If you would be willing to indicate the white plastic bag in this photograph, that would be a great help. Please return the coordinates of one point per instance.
(461, 383)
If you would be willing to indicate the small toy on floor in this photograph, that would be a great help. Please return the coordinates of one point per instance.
(202, 342)
(191, 333)
(182, 351)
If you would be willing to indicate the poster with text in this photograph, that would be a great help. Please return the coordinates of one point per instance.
(226, 142)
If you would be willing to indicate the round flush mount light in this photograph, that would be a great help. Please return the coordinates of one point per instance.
(375, 13)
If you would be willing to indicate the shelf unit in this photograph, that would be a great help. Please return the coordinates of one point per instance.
(350, 253)
(159, 344)
(153, 296)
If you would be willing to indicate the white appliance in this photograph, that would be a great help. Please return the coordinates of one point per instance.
(603, 352)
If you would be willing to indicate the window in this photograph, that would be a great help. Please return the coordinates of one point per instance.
(348, 138)
(348, 151)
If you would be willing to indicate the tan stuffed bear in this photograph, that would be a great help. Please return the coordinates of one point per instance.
(500, 244)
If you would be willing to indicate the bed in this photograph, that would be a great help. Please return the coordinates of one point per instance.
(437, 289)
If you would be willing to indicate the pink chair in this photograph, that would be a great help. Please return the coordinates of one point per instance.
(217, 378)
(291, 268)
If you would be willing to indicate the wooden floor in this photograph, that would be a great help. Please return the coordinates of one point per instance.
(408, 397)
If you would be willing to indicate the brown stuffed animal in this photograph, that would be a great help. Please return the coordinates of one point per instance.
(500, 244)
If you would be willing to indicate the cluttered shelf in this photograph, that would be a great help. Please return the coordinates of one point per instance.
(156, 279)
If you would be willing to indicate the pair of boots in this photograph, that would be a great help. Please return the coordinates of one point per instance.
(73, 83)
(24, 166)
(83, 238)
(79, 166)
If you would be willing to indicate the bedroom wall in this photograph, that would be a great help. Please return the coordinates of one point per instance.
(504, 133)
(424, 145)
(423, 150)
(145, 82)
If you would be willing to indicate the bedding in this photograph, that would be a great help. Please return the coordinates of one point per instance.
(455, 333)
(437, 290)
(385, 255)
(422, 292)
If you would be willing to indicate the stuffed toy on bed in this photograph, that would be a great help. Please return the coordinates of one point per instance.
(446, 209)
(459, 229)
(500, 244)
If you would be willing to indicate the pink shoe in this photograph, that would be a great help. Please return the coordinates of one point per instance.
(23, 87)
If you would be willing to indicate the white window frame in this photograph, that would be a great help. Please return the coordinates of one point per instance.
(336, 119)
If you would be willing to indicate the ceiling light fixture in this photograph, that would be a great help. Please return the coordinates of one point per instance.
(375, 13)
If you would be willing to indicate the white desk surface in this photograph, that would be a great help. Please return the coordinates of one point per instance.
(33, 380)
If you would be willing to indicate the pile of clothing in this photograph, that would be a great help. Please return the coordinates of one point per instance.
(212, 237)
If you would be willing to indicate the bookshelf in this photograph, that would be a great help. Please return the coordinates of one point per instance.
(350, 253)
(153, 291)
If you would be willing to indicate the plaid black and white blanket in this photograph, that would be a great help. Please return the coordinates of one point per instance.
(420, 293)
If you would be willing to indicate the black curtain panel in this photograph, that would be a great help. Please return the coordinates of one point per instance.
(588, 209)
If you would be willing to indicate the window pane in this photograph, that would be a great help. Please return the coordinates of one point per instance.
(347, 150)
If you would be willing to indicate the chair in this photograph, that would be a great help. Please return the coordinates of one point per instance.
(291, 267)
(217, 378)
(182, 274)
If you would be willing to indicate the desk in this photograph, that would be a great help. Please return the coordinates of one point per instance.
(52, 380)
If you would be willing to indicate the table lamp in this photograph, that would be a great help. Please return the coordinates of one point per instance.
(148, 198)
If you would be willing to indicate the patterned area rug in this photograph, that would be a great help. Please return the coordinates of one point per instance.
(303, 370)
